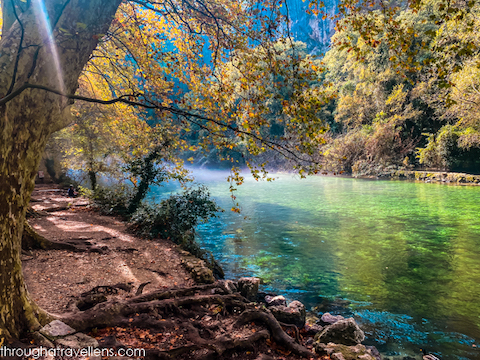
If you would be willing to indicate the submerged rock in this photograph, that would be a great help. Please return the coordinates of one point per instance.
(248, 287)
(344, 332)
(294, 313)
(344, 352)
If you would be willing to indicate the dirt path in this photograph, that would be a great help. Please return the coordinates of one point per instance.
(55, 278)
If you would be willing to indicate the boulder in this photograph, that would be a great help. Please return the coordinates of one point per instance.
(294, 313)
(275, 300)
(77, 341)
(248, 287)
(329, 319)
(344, 352)
(56, 329)
(344, 332)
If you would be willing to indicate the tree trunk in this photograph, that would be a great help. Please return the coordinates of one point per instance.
(29, 118)
(93, 179)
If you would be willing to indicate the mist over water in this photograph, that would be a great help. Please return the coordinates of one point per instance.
(403, 258)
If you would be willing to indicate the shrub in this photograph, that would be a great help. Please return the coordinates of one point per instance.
(176, 217)
(113, 200)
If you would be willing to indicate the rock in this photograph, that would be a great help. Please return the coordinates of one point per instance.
(199, 270)
(41, 340)
(77, 341)
(275, 300)
(294, 313)
(339, 351)
(56, 329)
(248, 287)
(329, 319)
(312, 324)
(313, 329)
(344, 332)
(374, 351)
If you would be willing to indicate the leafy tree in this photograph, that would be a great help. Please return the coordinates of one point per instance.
(44, 48)
(271, 92)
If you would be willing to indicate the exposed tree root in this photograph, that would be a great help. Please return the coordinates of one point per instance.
(277, 332)
(56, 208)
(33, 240)
(211, 321)
(99, 294)
(295, 330)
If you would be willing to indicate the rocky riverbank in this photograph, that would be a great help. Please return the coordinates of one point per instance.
(434, 177)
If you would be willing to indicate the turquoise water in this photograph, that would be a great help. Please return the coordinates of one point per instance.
(403, 258)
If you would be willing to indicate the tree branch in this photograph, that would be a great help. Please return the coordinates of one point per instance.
(19, 50)
(289, 154)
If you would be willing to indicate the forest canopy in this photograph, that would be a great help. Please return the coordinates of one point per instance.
(398, 89)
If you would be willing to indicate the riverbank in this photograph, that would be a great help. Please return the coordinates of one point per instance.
(151, 289)
(107, 253)
(444, 177)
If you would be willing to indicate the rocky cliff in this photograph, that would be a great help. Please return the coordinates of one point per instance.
(311, 29)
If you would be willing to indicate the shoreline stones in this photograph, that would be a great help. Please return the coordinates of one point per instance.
(329, 319)
(344, 332)
(248, 287)
(278, 300)
(294, 314)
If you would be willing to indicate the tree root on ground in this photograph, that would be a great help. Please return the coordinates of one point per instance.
(277, 332)
(209, 322)
(33, 240)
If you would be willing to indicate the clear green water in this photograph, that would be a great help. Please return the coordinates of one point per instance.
(403, 258)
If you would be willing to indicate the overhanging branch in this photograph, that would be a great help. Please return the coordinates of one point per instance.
(148, 104)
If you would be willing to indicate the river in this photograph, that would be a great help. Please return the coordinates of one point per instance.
(402, 258)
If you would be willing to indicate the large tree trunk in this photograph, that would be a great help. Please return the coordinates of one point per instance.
(29, 118)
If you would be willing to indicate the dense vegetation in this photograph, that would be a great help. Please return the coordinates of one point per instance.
(405, 94)
(397, 90)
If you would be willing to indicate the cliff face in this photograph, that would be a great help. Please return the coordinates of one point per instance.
(311, 29)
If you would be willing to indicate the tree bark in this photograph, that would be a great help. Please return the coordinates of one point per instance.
(26, 121)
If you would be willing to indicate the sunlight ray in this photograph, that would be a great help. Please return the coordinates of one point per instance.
(45, 30)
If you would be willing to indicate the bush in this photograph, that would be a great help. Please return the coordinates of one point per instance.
(176, 217)
(113, 200)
